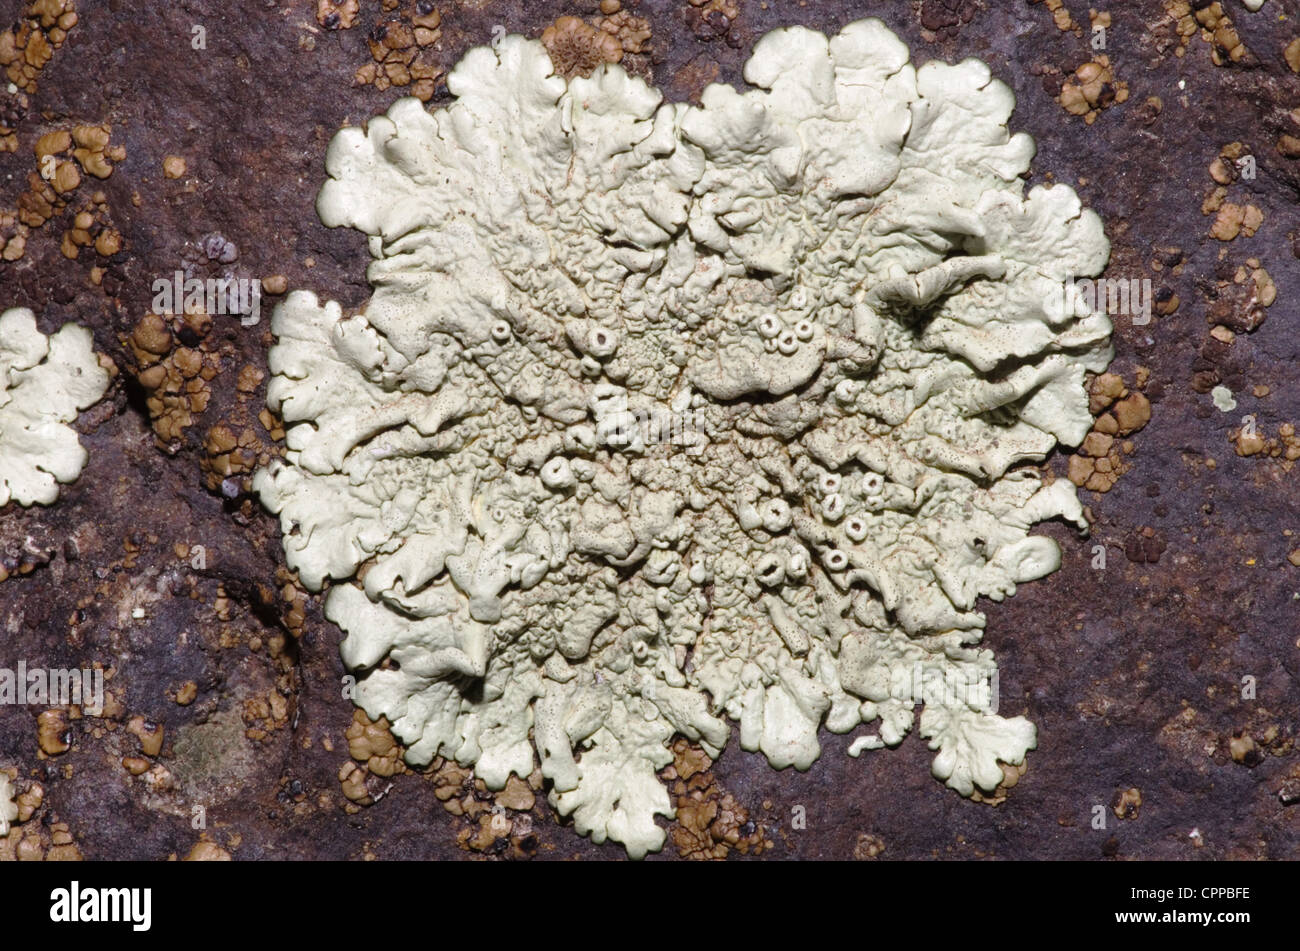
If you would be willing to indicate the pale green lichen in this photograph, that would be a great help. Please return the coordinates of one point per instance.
(44, 383)
(8, 807)
(660, 414)
(1223, 399)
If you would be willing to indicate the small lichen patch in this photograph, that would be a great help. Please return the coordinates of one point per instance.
(868, 847)
(1230, 218)
(1127, 803)
(576, 49)
(402, 46)
(1248, 441)
(212, 760)
(337, 14)
(205, 850)
(632, 32)
(371, 742)
(1091, 88)
(1292, 55)
(1215, 28)
(27, 46)
(21, 839)
(663, 415)
(711, 823)
(710, 20)
(171, 377)
(1223, 400)
(52, 732)
(234, 447)
(35, 842)
(8, 807)
(1102, 456)
(149, 734)
(63, 157)
(1060, 15)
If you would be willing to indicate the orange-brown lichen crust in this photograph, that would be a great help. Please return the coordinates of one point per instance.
(1092, 88)
(576, 49)
(402, 50)
(26, 47)
(63, 157)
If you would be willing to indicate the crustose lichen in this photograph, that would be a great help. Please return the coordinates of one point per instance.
(662, 415)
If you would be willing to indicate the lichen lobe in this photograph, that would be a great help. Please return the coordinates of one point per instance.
(44, 383)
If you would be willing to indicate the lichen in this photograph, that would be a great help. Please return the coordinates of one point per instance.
(63, 158)
(27, 46)
(576, 49)
(44, 383)
(176, 378)
(1215, 27)
(1102, 455)
(402, 45)
(8, 807)
(711, 822)
(661, 415)
(1092, 88)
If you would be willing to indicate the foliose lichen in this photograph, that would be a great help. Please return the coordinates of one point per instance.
(44, 383)
(662, 415)
(8, 807)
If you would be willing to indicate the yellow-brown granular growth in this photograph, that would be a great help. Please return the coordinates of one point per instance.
(337, 14)
(1213, 25)
(1102, 456)
(1091, 88)
(401, 51)
(632, 32)
(64, 157)
(576, 49)
(27, 46)
(175, 378)
(711, 822)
